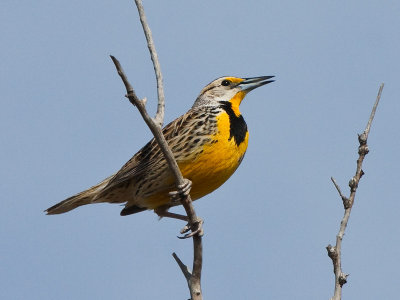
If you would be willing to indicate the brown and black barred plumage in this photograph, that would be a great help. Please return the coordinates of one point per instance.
(208, 143)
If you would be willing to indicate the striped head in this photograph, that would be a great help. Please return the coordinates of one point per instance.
(232, 89)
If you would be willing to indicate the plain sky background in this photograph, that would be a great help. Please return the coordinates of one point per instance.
(65, 125)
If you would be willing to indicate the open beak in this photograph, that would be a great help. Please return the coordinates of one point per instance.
(249, 84)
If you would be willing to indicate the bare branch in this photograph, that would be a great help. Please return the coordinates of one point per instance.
(371, 117)
(155, 125)
(185, 270)
(334, 252)
(129, 88)
(194, 221)
(344, 198)
(159, 117)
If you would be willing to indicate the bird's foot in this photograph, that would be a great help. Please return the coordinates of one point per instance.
(163, 212)
(196, 228)
(183, 191)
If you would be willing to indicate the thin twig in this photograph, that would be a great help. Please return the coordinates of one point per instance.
(155, 126)
(195, 280)
(344, 198)
(159, 117)
(373, 110)
(185, 270)
(334, 252)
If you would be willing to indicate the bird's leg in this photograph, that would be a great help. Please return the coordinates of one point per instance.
(176, 196)
(183, 191)
(162, 212)
(196, 228)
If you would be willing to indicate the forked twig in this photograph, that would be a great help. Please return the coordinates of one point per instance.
(159, 117)
(334, 252)
(185, 270)
(155, 124)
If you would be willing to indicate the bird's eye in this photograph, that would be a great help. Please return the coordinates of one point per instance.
(225, 82)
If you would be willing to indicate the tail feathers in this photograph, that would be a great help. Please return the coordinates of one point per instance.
(83, 198)
(69, 204)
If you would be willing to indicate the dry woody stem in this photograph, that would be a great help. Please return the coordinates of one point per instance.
(334, 252)
(155, 125)
(159, 118)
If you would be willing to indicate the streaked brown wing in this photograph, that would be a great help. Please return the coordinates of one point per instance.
(150, 156)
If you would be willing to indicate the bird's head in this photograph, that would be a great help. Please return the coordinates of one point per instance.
(232, 89)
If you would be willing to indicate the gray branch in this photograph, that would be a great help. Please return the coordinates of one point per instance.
(334, 252)
(185, 270)
(155, 125)
(159, 117)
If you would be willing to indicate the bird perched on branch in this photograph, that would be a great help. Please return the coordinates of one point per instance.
(208, 143)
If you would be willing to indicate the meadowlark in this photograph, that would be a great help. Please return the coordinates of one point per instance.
(208, 142)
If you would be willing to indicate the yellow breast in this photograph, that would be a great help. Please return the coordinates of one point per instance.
(218, 160)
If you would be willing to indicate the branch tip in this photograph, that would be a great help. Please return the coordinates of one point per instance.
(371, 117)
(346, 201)
(334, 252)
(185, 270)
(159, 118)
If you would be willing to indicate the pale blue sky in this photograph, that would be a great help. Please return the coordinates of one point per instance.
(65, 126)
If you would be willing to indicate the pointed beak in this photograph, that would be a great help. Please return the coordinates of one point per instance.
(249, 84)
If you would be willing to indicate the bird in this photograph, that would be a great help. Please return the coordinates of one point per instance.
(208, 142)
